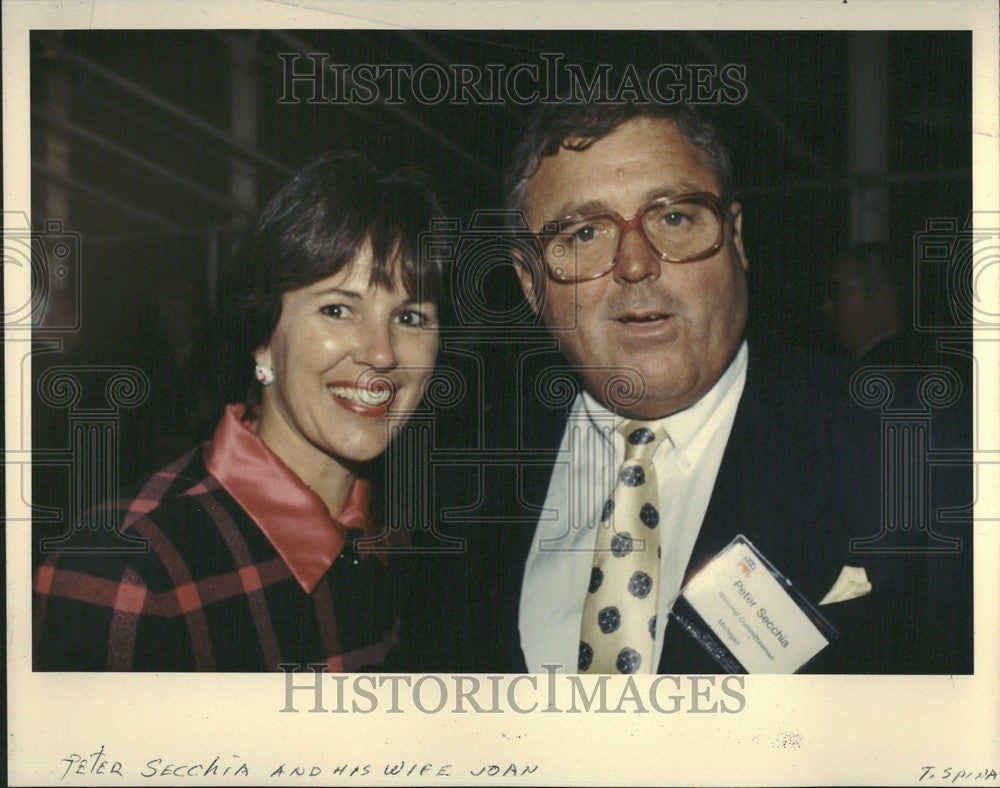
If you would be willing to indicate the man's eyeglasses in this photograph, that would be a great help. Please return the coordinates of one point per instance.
(679, 229)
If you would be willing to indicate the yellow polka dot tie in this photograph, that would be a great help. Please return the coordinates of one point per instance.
(618, 630)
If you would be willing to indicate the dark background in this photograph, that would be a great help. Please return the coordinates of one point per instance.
(137, 137)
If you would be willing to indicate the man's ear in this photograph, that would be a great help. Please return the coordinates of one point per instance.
(530, 279)
(736, 212)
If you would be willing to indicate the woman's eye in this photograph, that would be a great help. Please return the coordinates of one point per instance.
(413, 317)
(339, 311)
(674, 218)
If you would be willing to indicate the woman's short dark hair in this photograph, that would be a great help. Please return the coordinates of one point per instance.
(577, 126)
(311, 229)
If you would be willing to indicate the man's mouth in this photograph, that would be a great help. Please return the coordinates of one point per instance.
(651, 317)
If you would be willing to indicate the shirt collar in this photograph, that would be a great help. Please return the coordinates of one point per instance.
(292, 517)
(683, 427)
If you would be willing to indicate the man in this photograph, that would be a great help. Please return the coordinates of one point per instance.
(862, 305)
(639, 276)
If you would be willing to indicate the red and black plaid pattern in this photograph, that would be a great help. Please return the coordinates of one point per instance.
(209, 593)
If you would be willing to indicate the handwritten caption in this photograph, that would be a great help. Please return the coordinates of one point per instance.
(100, 763)
(949, 774)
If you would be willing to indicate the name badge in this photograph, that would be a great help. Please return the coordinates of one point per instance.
(749, 616)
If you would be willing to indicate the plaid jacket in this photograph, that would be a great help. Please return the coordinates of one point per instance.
(241, 573)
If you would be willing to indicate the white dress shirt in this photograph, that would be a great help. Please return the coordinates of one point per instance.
(557, 572)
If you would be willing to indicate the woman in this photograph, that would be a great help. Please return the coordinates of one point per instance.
(251, 562)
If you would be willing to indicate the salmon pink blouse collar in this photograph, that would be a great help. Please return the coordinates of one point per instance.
(293, 518)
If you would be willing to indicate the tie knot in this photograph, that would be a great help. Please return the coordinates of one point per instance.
(641, 438)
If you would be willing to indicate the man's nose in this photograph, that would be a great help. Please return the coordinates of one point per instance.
(637, 260)
(376, 347)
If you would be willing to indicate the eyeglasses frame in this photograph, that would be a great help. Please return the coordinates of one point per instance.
(634, 222)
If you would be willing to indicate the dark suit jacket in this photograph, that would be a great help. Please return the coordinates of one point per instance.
(801, 477)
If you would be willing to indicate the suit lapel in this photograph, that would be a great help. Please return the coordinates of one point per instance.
(774, 455)
(541, 429)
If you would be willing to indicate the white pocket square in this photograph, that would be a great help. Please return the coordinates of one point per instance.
(852, 583)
